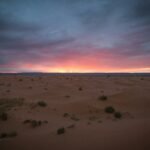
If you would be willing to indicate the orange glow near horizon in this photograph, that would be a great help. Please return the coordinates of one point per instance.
(95, 61)
(82, 69)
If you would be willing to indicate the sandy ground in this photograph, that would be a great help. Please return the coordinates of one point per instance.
(74, 103)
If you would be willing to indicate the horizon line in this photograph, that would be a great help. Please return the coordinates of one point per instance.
(72, 72)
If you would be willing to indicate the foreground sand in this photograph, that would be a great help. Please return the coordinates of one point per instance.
(73, 102)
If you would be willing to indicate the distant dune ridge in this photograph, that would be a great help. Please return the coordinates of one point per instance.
(74, 111)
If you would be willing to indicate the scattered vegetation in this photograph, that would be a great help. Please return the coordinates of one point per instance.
(42, 103)
(4, 116)
(3, 135)
(65, 114)
(61, 131)
(103, 98)
(20, 80)
(80, 89)
(12, 134)
(34, 123)
(108, 76)
(99, 121)
(30, 87)
(32, 79)
(67, 96)
(7, 91)
(109, 109)
(8, 135)
(9, 103)
(27, 121)
(118, 115)
(45, 89)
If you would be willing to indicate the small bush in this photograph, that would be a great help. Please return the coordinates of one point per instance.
(103, 98)
(109, 109)
(34, 123)
(61, 131)
(39, 122)
(4, 116)
(117, 115)
(3, 135)
(12, 134)
(45, 89)
(66, 115)
(80, 89)
(27, 121)
(8, 91)
(42, 104)
(67, 96)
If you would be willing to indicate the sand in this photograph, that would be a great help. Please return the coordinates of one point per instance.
(74, 103)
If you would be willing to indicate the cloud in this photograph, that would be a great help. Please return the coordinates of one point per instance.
(51, 32)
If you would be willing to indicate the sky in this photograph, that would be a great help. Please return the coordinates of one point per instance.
(74, 36)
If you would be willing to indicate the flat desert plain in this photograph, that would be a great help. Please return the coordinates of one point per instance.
(67, 112)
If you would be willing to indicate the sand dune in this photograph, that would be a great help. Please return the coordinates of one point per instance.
(75, 104)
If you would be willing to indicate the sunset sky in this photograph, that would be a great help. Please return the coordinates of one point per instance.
(74, 35)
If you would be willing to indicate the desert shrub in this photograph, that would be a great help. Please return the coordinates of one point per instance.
(108, 76)
(118, 115)
(4, 116)
(9, 103)
(3, 135)
(35, 123)
(8, 91)
(61, 131)
(12, 134)
(103, 98)
(45, 89)
(109, 109)
(30, 87)
(80, 89)
(99, 121)
(65, 114)
(20, 80)
(67, 96)
(39, 122)
(27, 121)
(42, 104)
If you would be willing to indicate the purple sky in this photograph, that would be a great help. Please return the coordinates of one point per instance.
(75, 35)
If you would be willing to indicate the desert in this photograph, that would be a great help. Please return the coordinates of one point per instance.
(70, 112)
